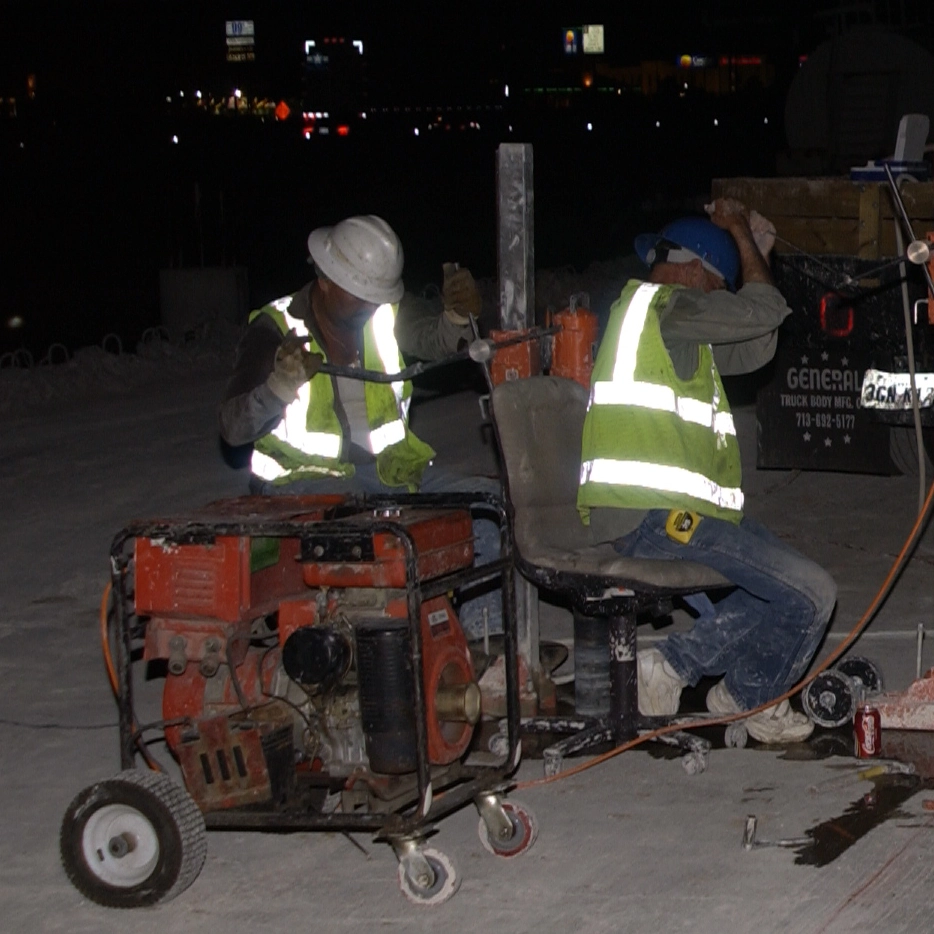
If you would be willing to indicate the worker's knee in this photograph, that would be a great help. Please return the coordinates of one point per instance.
(822, 591)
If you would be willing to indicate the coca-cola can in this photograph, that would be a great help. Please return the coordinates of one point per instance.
(867, 728)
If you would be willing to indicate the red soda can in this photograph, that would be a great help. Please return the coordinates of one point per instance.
(867, 727)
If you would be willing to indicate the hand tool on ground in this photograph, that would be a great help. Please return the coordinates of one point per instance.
(750, 842)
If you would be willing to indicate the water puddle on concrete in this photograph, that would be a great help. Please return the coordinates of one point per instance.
(912, 751)
(901, 749)
(830, 838)
(890, 788)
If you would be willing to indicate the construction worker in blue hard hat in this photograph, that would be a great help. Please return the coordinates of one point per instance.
(316, 433)
(661, 467)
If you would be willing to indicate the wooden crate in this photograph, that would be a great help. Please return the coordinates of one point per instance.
(833, 215)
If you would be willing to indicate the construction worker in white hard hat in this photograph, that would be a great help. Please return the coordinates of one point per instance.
(314, 433)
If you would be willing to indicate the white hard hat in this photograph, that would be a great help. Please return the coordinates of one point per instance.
(362, 255)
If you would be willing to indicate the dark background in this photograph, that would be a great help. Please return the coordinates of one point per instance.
(96, 199)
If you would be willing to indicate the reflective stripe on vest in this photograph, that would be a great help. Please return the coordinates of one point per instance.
(292, 429)
(384, 323)
(661, 477)
(625, 389)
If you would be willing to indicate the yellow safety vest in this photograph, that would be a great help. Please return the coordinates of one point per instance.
(652, 440)
(306, 443)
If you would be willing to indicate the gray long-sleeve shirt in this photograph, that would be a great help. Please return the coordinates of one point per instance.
(741, 327)
(251, 410)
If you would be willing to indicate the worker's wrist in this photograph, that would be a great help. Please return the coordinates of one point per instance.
(456, 318)
(284, 390)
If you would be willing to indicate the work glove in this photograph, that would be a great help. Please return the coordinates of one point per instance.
(763, 232)
(762, 229)
(294, 366)
(460, 295)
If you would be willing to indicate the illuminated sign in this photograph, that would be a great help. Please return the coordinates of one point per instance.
(240, 35)
(696, 61)
(741, 60)
(588, 39)
(239, 28)
(592, 40)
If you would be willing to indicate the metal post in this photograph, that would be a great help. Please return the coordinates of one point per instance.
(516, 249)
(516, 279)
(623, 685)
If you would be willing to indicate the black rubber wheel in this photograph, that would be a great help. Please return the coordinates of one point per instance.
(830, 699)
(864, 672)
(133, 840)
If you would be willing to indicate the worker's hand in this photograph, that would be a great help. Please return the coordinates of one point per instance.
(294, 366)
(734, 216)
(727, 212)
(763, 232)
(460, 295)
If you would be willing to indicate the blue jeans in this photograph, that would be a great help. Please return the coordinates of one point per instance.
(483, 606)
(760, 635)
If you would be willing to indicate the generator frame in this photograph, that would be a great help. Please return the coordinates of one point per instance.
(480, 784)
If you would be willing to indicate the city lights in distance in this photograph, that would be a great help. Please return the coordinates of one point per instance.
(174, 139)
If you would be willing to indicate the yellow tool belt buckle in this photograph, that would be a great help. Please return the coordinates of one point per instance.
(681, 524)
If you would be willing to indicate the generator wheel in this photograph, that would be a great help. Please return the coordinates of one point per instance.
(524, 832)
(133, 840)
(695, 761)
(863, 671)
(735, 736)
(445, 884)
(830, 699)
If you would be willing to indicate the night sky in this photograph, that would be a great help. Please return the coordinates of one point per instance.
(106, 184)
(84, 44)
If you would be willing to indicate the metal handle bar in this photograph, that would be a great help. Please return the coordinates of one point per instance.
(479, 351)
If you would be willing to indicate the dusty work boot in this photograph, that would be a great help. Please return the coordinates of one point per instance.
(776, 724)
(659, 684)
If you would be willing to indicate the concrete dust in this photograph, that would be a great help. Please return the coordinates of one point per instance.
(632, 845)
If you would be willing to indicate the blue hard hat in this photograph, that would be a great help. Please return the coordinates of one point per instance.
(711, 244)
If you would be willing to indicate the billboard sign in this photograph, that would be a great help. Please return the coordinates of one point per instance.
(240, 35)
(592, 40)
(586, 39)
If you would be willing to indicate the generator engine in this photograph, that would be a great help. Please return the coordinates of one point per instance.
(290, 660)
